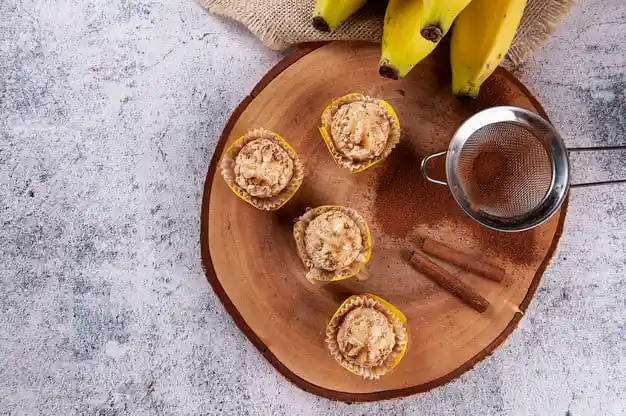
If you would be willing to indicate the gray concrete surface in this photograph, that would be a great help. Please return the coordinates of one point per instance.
(109, 112)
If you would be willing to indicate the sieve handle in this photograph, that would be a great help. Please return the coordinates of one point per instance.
(424, 167)
(595, 149)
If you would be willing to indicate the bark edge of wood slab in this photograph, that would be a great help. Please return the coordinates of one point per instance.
(250, 259)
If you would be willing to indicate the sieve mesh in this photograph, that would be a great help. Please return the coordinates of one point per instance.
(504, 170)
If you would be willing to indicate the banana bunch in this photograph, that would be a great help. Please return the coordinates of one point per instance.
(482, 34)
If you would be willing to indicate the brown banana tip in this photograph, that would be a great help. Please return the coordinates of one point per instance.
(432, 33)
(389, 72)
(320, 24)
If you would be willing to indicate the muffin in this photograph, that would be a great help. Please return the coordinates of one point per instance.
(333, 242)
(367, 336)
(262, 169)
(359, 131)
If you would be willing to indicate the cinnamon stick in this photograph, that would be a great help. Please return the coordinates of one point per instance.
(463, 260)
(449, 282)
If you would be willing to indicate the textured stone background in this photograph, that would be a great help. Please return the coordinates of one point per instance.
(109, 114)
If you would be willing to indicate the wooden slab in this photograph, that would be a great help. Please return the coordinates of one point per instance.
(250, 257)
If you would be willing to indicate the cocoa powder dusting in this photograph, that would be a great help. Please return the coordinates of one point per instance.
(404, 199)
(488, 166)
(487, 184)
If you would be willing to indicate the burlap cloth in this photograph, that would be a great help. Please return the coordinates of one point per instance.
(282, 23)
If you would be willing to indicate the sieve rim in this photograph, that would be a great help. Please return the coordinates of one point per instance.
(554, 147)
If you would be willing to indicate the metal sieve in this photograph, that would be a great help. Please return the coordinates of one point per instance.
(508, 168)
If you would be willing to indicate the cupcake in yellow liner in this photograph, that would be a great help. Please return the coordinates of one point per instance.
(334, 242)
(367, 335)
(359, 131)
(262, 169)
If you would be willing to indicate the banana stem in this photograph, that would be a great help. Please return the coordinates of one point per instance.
(320, 24)
(432, 33)
(389, 71)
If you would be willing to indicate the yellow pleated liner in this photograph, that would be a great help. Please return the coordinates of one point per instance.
(359, 165)
(396, 319)
(227, 166)
(315, 274)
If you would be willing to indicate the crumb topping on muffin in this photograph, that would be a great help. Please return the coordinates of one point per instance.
(333, 240)
(360, 130)
(263, 168)
(365, 337)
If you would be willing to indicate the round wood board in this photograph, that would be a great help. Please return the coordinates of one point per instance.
(250, 256)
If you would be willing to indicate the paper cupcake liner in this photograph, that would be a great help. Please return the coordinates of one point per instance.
(397, 320)
(228, 171)
(342, 161)
(316, 274)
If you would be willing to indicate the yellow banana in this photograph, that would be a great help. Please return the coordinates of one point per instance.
(481, 37)
(403, 46)
(412, 30)
(328, 15)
